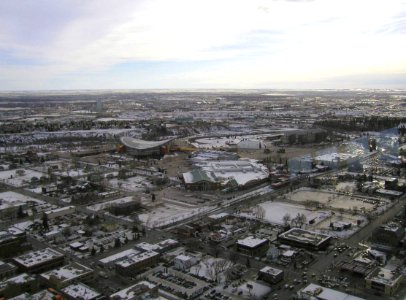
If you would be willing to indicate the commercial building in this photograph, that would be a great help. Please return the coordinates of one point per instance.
(60, 212)
(199, 180)
(133, 265)
(12, 241)
(317, 292)
(63, 276)
(270, 275)
(253, 246)
(17, 285)
(80, 291)
(384, 281)
(305, 239)
(389, 234)
(7, 270)
(39, 260)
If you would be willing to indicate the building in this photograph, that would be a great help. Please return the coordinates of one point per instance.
(80, 291)
(141, 148)
(40, 260)
(270, 275)
(63, 276)
(17, 285)
(384, 281)
(305, 239)
(112, 259)
(139, 291)
(133, 265)
(389, 234)
(12, 241)
(60, 212)
(7, 270)
(199, 180)
(184, 262)
(317, 292)
(253, 246)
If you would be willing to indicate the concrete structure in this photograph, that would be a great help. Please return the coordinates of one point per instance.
(270, 275)
(63, 276)
(389, 234)
(305, 239)
(253, 246)
(39, 260)
(141, 148)
(141, 290)
(384, 281)
(60, 212)
(199, 180)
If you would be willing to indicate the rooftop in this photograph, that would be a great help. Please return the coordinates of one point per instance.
(136, 259)
(17, 280)
(320, 292)
(271, 271)
(68, 272)
(251, 242)
(305, 236)
(81, 291)
(38, 257)
(385, 276)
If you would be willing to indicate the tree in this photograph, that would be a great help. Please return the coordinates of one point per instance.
(45, 223)
(93, 252)
(20, 212)
(286, 220)
(117, 243)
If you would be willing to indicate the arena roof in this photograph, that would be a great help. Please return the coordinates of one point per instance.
(141, 144)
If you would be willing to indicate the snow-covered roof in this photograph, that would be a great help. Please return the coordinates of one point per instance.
(17, 280)
(136, 259)
(327, 294)
(132, 291)
(38, 257)
(81, 291)
(119, 255)
(271, 271)
(68, 272)
(251, 242)
(142, 144)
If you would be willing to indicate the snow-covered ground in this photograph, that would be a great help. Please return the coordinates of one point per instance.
(274, 212)
(324, 226)
(167, 214)
(330, 199)
(11, 177)
(249, 290)
(212, 269)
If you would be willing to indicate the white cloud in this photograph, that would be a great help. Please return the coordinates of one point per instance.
(251, 42)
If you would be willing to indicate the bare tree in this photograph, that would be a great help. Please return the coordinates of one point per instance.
(286, 219)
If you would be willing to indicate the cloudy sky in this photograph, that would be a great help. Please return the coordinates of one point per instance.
(123, 44)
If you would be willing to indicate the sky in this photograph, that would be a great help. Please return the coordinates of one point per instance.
(187, 44)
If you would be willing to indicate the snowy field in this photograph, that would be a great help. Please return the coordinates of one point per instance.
(12, 199)
(12, 178)
(249, 290)
(330, 199)
(167, 214)
(212, 269)
(274, 212)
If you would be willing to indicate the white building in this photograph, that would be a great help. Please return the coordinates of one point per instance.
(184, 262)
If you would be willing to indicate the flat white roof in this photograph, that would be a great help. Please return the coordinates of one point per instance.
(119, 255)
(326, 293)
(68, 272)
(37, 257)
(271, 270)
(251, 242)
(80, 291)
(136, 259)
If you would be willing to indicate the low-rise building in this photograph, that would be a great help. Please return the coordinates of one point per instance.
(39, 260)
(270, 275)
(7, 270)
(253, 246)
(384, 281)
(134, 265)
(17, 285)
(305, 239)
(80, 291)
(141, 290)
(184, 262)
(389, 234)
(317, 292)
(63, 276)
(12, 241)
